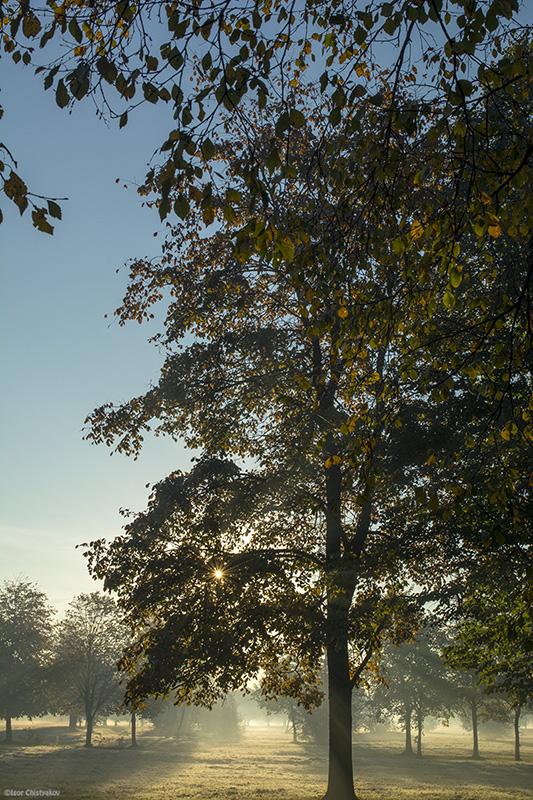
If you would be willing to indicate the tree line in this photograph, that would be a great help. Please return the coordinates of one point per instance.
(453, 669)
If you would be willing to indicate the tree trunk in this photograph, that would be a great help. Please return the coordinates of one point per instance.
(72, 720)
(293, 724)
(420, 726)
(340, 777)
(88, 730)
(475, 742)
(340, 589)
(133, 729)
(9, 730)
(517, 711)
(408, 741)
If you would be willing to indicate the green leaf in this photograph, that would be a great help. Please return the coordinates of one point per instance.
(181, 206)
(448, 300)
(54, 210)
(30, 25)
(40, 222)
(286, 248)
(75, 30)
(62, 95)
(282, 124)
(150, 92)
(335, 116)
(123, 120)
(151, 63)
(208, 149)
(297, 118)
(455, 277)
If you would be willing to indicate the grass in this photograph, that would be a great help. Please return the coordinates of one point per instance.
(264, 766)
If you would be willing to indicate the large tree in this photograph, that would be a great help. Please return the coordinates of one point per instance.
(25, 643)
(89, 642)
(311, 377)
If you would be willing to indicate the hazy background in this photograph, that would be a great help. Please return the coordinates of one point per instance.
(60, 357)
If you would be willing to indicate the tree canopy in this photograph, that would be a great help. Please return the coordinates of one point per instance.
(25, 644)
(89, 642)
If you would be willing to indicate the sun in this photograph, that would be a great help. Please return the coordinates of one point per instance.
(218, 574)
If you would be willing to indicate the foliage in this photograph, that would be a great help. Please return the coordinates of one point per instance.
(90, 639)
(495, 639)
(25, 632)
(468, 84)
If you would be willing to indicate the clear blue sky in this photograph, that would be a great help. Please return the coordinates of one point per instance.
(60, 357)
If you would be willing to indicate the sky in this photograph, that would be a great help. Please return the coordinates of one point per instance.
(60, 357)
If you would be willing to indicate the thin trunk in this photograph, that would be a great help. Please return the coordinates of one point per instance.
(88, 729)
(9, 730)
(420, 726)
(408, 740)
(293, 723)
(475, 748)
(180, 723)
(133, 729)
(517, 711)
(72, 720)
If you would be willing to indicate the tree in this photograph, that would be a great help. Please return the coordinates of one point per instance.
(283, 691)
(475, 706)
(90, 639)
(25, 631)
(494, 639)
(414, 685)
(291, 555)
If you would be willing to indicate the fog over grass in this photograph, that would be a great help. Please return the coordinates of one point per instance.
(262, 763)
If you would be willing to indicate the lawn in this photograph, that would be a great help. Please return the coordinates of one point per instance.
(265, 764)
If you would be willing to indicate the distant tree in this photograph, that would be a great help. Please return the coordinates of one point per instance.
(288, 690)
(90, 640)
(414, 685)
(495, 640)
(476, 707)
(25, 640)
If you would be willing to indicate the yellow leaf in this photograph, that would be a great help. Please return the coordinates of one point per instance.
(417, 229)
(504, 433)
(494, 231)
(342, 312)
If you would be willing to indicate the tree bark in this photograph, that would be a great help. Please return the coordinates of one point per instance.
(475, 740)
(88, 730)
(340, 777)
(408, 740)
(293, 724)
(133, 729)
(72, 720)
(517, 711)
(420, 725)
(339, 596)
(9, 730)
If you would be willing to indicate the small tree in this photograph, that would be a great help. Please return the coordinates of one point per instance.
(415, 685)
(494, 639)
(90, 640)
(25, 628)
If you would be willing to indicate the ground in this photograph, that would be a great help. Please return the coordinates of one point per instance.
(265, 765)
